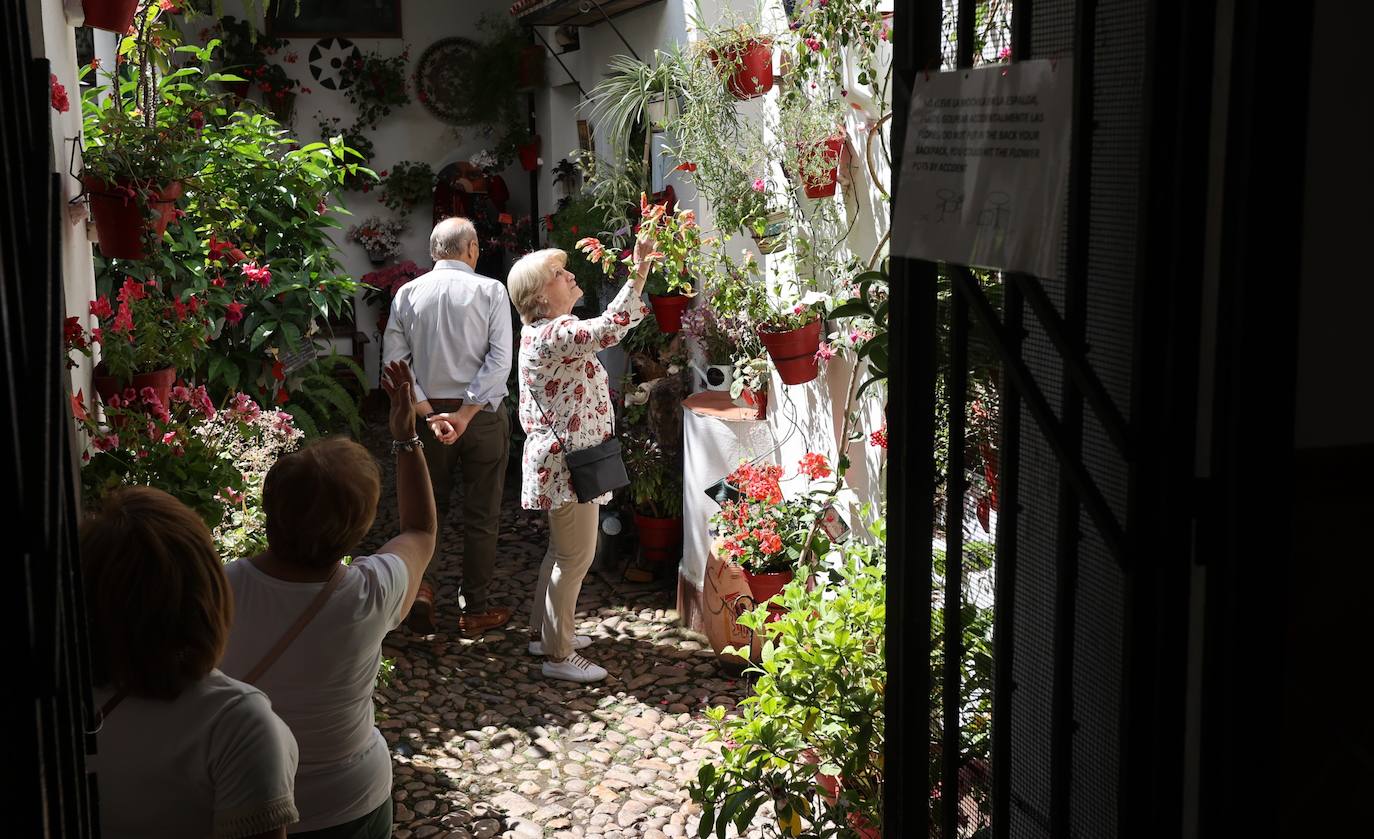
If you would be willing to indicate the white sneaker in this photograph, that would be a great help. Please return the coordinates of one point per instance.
(574, 668)
(579, 642)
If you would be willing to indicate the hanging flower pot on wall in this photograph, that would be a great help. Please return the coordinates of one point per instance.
(160, 381)
(111, 15)
(668, 309)
(662, 110)
(828, 151)
(756, 399)
(529, 155)
(531, 72)
(660, 540)
(283, 105)
(122, 218)
(794, 352)
(752, 63)
(772, 239)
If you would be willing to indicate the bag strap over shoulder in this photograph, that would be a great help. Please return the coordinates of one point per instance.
(304, 620)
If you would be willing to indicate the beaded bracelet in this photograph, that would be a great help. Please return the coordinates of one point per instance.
(398, 446)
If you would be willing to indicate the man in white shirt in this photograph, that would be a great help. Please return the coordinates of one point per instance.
(453, 326)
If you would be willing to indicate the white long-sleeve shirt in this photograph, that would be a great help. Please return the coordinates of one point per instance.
(453, 326)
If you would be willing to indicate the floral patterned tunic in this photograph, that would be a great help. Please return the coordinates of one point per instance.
(558, 364)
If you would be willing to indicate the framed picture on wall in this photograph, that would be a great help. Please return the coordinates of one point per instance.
(338, 18)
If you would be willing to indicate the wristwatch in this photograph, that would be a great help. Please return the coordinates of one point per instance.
(398, 446)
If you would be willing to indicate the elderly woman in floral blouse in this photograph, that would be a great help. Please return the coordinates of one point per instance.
(565, 400)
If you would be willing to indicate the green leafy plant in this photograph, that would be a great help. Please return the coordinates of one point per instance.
(622, 103)
(655, 479)
(352, 151)
(325, 396)
(407, 186)
(806, 125)
(376, 84)
(808, 741)
(869, 307)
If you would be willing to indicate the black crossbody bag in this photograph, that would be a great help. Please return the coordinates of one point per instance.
(595, 470)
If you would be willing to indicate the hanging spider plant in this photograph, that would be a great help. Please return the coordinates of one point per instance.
(635, 91)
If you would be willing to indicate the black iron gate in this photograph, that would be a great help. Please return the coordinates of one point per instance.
(1097, 390)
(47, 681)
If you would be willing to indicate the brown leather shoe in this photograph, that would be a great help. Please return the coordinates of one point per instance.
(475, 623)
(421, 617)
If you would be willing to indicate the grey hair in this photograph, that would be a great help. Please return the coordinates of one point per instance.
(451, 237)
(527, 279)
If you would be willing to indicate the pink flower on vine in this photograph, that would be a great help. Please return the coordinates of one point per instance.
(824, 352)
(60, 102)
(106, 442)
(759, 184)
(814, 43)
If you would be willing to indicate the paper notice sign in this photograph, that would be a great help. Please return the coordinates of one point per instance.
(984, 173)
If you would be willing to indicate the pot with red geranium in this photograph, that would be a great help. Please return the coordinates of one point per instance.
(138, 149)
(245, 56)
(792, 339)
(656, 489)
(406, 186)
(145, 336)
(677, 241)
(766, 534)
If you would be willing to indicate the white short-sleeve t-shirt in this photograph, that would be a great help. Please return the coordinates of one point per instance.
(322, 685)
(215, 762)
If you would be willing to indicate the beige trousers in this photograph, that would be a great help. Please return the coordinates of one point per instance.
(572, 546)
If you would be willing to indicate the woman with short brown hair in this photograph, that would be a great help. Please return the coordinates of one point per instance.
(184, 750)
(320, 501)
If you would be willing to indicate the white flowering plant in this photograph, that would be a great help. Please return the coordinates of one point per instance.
(381, 238)
(252, 440)
(486, 161)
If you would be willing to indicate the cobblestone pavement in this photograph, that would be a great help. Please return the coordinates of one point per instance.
(483, 745)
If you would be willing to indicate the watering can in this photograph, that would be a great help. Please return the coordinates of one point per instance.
(715, 376)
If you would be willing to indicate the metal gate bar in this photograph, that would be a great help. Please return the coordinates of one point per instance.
(956, 485)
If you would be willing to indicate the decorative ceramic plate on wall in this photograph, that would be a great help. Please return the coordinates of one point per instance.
(441, 79)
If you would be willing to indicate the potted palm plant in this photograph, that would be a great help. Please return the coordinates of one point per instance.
(634, 92)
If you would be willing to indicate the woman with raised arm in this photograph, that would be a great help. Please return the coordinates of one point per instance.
(565, 404)
(320, 501)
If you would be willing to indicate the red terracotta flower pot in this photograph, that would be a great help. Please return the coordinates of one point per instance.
(529, 155)
(659, 539)
(754, 62)
(160, 381)
(121, 220)
(110, 15)
(668, 309)
(763, 587)
(794, 352)
(829, 151)
(498, 192)
(757, 401)
(531, 72)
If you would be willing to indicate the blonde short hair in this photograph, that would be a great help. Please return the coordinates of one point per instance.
(320, 501)
(527, 279)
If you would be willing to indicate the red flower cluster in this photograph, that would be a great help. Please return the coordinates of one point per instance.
(879, 437)
(60, 102)
(759, 483)
(255, 275)
(814, 466)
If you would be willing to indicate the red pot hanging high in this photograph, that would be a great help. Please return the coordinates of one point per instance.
(828, 151)
(668, 309)
(531, 68)
(111, 15)
(529, 155)
(160, 381)
(659, 539)
(121, 219)
(753, 63)
(794, 352)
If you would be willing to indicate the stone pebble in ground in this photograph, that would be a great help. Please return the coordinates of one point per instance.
(483, 746)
